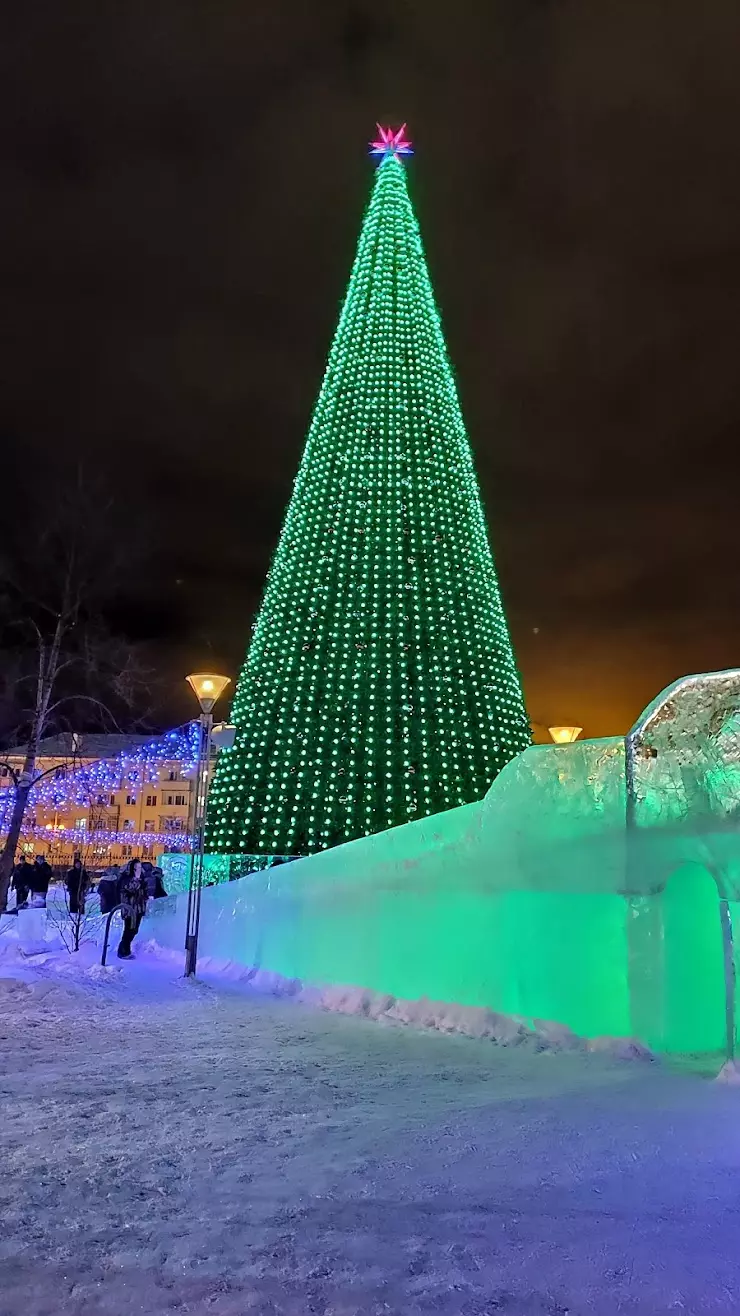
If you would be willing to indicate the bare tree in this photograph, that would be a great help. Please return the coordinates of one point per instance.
(63, 665)
(79, 920)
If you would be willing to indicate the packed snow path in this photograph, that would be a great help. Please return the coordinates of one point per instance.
(191, 1148)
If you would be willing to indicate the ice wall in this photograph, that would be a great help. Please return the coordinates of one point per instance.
(584, 888)
(431, 909)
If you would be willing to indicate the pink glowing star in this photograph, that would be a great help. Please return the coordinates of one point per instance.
(390, 142)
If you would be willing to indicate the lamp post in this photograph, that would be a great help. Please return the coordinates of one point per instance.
(565, 735)
(207, 687)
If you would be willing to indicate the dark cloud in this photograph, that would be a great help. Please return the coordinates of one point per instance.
(182, 189)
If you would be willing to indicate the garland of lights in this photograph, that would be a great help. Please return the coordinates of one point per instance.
(75, 787)
(84, 837)
(380, 684)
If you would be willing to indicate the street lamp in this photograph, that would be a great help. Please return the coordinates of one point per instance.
(207, 687)
(565, 735)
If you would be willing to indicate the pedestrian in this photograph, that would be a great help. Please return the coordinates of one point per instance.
(108, 890)
(39, 879)
(77, 884)
(20, 882)
(160, 892)
(154, 881)
(133, 896)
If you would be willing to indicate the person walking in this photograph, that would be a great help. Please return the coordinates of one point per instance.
(39, 879)
(133, 897)
(20, 882)
(77, 884)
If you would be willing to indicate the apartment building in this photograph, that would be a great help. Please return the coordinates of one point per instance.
(142, 817)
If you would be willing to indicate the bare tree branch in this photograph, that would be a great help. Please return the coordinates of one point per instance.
(60, 581)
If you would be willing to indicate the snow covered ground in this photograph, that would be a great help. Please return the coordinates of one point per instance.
(182, 1147)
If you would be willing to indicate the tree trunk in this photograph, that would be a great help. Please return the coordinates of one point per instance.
(14, 830)
(47, 672)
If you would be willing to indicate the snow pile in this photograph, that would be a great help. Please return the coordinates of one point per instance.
(102, 973)
(441, 1016)
(16, 992)
(729, 1074)
(28, 936)
(622, 1048)
(470, 1021)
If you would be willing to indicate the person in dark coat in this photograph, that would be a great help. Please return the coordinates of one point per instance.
(77, 885)
(39, 879)
(133, 897)
(108, 890)
(20, 881)
(154, 881)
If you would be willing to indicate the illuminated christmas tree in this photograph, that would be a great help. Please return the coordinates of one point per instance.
(380, 683)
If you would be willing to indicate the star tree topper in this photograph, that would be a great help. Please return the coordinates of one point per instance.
(391, 142)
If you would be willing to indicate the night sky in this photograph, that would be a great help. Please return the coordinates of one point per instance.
(182, 188)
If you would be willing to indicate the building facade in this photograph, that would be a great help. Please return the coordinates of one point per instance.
(97, 796)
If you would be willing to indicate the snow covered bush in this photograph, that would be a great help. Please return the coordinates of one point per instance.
(76, 929)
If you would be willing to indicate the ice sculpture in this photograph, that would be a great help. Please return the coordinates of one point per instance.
(597, 884)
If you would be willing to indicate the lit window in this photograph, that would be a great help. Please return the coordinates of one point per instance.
(173, 824)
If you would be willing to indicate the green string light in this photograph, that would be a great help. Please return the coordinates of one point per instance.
(380, 683)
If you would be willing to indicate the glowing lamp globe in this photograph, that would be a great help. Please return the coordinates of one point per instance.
(207, 687)
(223, 735)
(565, 735)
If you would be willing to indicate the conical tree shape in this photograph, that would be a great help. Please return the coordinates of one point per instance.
(380, 683)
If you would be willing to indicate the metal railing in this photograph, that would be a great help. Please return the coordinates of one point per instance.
(115, 910)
